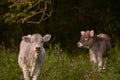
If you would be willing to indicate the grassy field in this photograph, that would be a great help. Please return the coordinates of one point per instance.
(62, 65)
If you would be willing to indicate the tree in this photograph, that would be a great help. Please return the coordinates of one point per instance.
(29, 11)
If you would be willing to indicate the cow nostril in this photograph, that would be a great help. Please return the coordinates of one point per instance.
(38, 48)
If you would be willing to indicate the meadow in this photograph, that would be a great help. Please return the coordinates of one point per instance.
(62, 65)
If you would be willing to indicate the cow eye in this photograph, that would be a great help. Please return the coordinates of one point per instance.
(86, 38)
(42, 41)
(32, 41)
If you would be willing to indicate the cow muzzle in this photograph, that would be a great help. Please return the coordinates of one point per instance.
(79, 44)
(38, 49)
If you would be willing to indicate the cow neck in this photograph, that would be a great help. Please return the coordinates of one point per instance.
(94, 41)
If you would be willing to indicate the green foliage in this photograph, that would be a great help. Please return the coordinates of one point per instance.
(8, 65)
(18, 12)
(61, 66)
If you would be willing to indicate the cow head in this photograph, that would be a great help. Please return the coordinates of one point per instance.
(86, 39)
(36, 41)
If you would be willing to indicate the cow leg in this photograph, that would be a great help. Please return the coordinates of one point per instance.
(100, 63)
(32, 70)
(90, 53)
(104, 63)
(36, 72)
(92, 57)
(26, 74)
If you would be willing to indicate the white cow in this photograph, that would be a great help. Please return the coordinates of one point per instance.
(32, 54)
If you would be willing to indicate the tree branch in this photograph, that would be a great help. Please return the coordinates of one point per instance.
(35, 4)
(42, 18)
(22, 20)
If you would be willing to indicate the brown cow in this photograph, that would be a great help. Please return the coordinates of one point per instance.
(98, 45)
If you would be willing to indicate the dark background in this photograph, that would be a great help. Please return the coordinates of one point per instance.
(68, 18)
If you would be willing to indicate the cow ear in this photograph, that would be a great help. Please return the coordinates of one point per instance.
(92, 33)
(46, 38)
(27, 38)
(82, 32)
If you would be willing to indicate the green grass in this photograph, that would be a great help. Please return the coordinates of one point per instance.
(62, 66)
